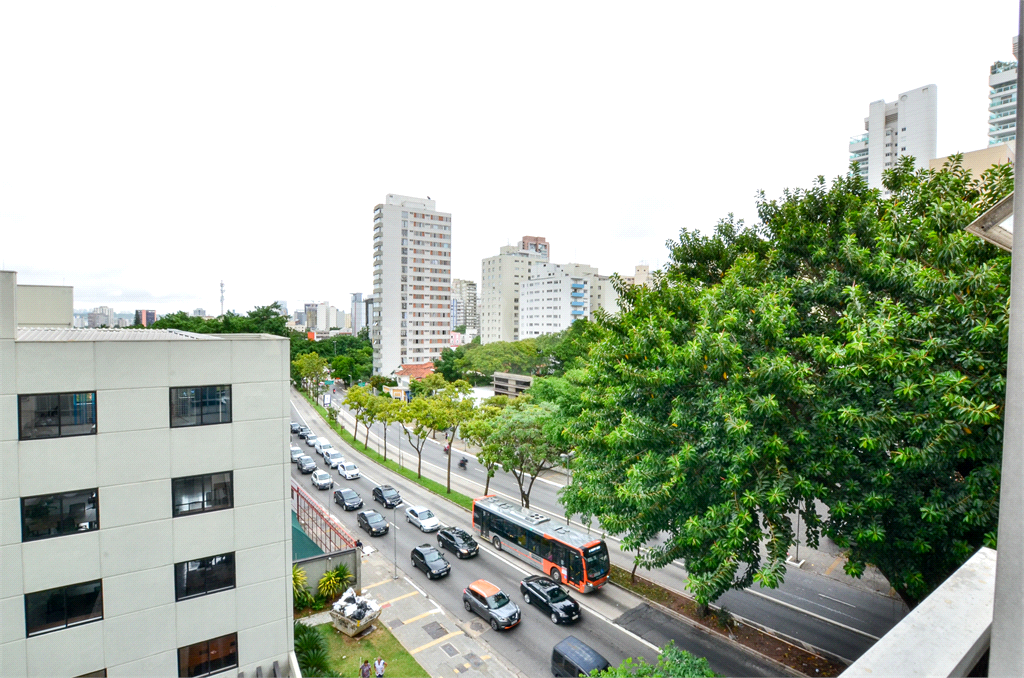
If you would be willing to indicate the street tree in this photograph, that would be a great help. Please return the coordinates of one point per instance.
(452, 408)
(478, 429)
(388, 412)
(525, 442)
(418, 419)
(356, 399)
(850, 350)
(311, 370)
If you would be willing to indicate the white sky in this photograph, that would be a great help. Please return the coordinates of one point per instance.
(149, 150)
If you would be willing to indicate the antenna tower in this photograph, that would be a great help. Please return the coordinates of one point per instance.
(222, 297)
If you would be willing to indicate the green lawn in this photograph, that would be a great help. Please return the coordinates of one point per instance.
(347, 654)
(432, 485)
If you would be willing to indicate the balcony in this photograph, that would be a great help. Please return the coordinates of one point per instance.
(1003, 88)
(577, 286)
(577, 312)
(1003, 102)
(861, 142)
(577, 303)
(996, 128)
(1004, 114)
(577, 294)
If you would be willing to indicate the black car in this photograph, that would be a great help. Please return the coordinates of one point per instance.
(550, 598)
(372, 522)
(387, 495)
(425, 557)
(458, 541)
(348, 499)
(303, 432)
(296, 426)
(306, 464)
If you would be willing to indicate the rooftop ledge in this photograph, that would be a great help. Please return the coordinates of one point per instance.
(946, 634)
(124, 334)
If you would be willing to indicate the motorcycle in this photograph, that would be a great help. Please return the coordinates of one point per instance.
(462, 463)
(447, 448)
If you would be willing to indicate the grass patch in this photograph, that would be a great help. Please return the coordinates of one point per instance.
(432, 485)
(347, 654)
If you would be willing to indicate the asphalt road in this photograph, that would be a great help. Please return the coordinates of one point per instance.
(823, 612)
(528, 645)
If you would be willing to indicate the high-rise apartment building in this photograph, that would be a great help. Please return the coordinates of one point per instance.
(283, 306)
(145, 318)
(198, 312)
(907, 126)
(1002, 100)
(464, 304)
(358, 313)
(318, 316)
(101, 316)
(178, 566)
(412, 249)
(554, 297)
(500, 279)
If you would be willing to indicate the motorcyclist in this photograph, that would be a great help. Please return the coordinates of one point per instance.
(463, 462)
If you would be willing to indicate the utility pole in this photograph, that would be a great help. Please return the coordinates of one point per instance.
(222, 298)
(1006, 658)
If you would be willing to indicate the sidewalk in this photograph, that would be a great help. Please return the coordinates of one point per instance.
(441, 644)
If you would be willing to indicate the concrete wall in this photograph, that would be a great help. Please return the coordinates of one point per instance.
(317, 565)
(45, 306)
(977, 162)
(131, 460)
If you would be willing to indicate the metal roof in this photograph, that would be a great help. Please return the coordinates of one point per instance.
(104, 334)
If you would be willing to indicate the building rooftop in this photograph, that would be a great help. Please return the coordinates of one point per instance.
(415, 370)
(105, 334)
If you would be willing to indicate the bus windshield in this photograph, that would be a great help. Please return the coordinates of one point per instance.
(597, 561)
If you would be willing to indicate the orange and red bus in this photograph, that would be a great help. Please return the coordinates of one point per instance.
(566, 555)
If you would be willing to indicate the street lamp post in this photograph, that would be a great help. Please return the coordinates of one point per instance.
(394, 524)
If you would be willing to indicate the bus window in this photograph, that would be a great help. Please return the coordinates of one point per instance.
(480, 518)
(559, 554)
(540, 546)
(575, 566)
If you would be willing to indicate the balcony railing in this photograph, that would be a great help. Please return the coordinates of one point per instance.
(862, 139)
(1004, 114)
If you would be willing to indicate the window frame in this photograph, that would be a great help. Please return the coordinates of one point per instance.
(199, 405)
(62, 515)
(175, 513)
(29, 633)
(179, 585)
(206, 645)
(59, 424)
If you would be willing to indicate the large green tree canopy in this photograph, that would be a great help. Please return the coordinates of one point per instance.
(849, 351)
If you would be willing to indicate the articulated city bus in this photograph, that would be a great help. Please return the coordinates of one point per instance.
(566, 555)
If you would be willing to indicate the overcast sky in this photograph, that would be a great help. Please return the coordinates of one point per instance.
(150, 150)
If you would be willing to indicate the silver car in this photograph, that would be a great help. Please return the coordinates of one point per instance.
(322, 480)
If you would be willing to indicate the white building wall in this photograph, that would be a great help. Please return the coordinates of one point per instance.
(1002, 103)
(549, 304)
(498, 294)
(131, 460)
(907, 126)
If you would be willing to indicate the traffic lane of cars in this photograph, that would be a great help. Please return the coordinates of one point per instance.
(520, 644)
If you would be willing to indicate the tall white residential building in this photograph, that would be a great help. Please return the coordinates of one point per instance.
(907, 126)
(358, 314)
(318, 316)
(1002, 100)
(178, 565)
(500, 278)
(412, 268)
(554, 297)
(464, 304)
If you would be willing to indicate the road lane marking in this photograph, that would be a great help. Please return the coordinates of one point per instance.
(811, 614)
(831, 567)
(437, 642)
(389, 579)
(836, 600)
(422, 592)
(420, 616)
(395, 600)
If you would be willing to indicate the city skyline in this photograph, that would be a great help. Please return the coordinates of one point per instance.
(605, 130)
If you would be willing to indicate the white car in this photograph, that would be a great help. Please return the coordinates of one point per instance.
(333, 458)
(322, 447)
(322, 480)
(423, 518)
(296, 453)
(348, 470)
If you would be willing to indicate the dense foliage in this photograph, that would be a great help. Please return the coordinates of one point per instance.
(672, 663)
(260, 320)
(848, 353)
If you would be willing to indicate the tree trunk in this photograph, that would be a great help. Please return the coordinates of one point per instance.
(487, 485)
(366, 440)
(385, 441)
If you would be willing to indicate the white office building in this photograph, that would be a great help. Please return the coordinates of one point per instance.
(907, 126)
(144, 497)
(464, 304)
(1002, 101)
(412, 249)
(554, 297)
(500, 280)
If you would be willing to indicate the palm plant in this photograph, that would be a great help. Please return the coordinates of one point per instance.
(345, 575)
(298, 580)
(330, 584)
(314, 662)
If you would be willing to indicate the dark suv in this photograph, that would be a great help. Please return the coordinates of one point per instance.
(306, 464)
(296, 426)
(458, 541)
(348, 499)
(387, 495)
(303, 432)
(491, 603)
(372, 522)
(425, 557)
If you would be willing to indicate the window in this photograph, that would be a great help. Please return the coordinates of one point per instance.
(206, 575)
(56, 415)
(197, 494)
(62, 607)
(54, 515)
(208, 657)
(200, 405)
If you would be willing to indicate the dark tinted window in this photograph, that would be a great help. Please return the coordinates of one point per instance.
(53, 415)
(431, 556)
(390, 493)
(375, 518)
(207, 657)
(349, 495)
(497, 600)
(59, 608)
(196, 494)
(203, 576)
(200, 405)
(53, 515)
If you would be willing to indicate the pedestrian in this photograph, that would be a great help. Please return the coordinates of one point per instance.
(364, 670)
(378, 667)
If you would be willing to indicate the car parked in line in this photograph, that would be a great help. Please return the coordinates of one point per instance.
(296, 426)
(306, 464)
(487, 600)
(348, 499)
(372, 522)
(423, 518)
(303, 432)
(458, 541)
(322, 480)
(296, 452)
(425, 557)
(333, 458)
(550, 598)
(322, 447)
(572, 657)
(311, 439)
(387, 495)
(348, 470)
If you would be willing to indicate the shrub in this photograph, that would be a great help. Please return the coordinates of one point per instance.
(330, 584)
